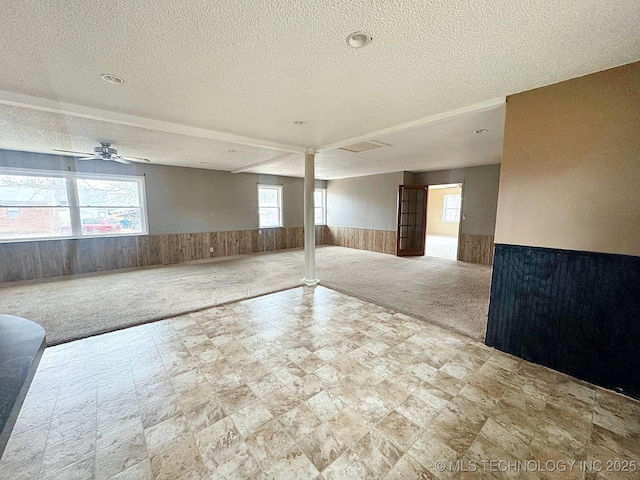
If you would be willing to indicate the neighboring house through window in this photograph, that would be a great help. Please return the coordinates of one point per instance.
(13, 212)
(36, 204)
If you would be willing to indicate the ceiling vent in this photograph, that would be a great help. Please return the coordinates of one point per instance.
(363, 146)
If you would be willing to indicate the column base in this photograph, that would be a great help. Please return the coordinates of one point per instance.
(310, 282)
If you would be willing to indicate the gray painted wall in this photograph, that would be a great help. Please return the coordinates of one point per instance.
(480, 194)
(364, 202)
(185, 200)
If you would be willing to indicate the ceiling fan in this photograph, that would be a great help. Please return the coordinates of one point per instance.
(105, 152)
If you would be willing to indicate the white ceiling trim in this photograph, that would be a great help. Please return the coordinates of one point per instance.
(475, 108)
(53, 106)
(440, 117)
(246, 168)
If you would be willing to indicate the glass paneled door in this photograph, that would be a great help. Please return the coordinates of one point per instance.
(412, 220)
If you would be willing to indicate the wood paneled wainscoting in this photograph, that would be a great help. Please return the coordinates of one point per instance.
(380, 241)
(475, 249)
(52, 258)
(573, 311)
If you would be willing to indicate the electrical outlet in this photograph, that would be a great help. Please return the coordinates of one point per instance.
(210, 249)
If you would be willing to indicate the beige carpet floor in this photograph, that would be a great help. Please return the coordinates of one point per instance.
(448, 293)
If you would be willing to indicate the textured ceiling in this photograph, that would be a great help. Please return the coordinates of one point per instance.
(450, 143)
(37, 131)
(251, 68)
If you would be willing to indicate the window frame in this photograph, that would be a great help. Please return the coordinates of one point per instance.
(73, 205)
(323, 206)
(12, 214)
(279, 189)
(445, 208)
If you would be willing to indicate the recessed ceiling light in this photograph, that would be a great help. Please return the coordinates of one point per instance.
(298, 123)
(359, 39)
(110, 78)
(482, 130)
(231, 151)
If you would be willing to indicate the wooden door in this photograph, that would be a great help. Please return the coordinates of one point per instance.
(412, 220)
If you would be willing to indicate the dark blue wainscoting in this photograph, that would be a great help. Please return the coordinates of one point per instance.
(576, 312)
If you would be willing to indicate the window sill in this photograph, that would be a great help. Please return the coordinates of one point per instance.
(83, 237)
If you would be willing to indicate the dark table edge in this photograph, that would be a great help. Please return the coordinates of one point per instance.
(15, 411)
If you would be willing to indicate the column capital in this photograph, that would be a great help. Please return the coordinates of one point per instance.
(310, 151)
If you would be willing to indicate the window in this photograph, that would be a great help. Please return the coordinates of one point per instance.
(110, 206)
(270, 205)
(320, 206)
(42, 204)
(13, 212)
(451, 208)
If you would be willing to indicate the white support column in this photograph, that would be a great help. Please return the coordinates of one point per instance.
(309, 220)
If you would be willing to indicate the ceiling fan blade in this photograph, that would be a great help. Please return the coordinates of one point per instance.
(119, 159)
(71, 151)
(135, 159)
(91, 157)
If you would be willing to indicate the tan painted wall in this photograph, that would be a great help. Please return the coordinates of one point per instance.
(435, 225)
(570, 175)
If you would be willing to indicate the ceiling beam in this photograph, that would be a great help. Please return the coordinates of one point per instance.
(475, 108)
(246, 168)
(53, 106)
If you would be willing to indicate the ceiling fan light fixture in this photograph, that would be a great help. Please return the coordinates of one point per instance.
(359, 39)
(104, 152)
(113, 79)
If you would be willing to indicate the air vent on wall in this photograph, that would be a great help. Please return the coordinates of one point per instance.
(363, 146)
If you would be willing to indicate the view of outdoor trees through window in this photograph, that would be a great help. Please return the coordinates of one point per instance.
(109, 206)
(64, 205)
(270, 206)
(320, 204)
(451, 208)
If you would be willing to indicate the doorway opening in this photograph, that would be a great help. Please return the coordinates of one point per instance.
(443, 220)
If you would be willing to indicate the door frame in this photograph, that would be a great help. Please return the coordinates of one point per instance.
(419, 251)
(459, 232)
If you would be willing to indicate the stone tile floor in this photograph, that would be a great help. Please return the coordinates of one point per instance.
(310, 383)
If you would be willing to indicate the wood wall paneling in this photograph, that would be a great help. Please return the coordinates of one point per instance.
(280, 239)
(576, 312)
(232, 243)
(380, 241)
(390, 242)
(476, 249)
(217, 241)
(52, 258)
